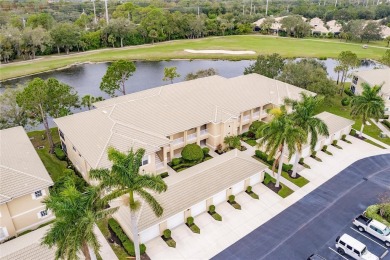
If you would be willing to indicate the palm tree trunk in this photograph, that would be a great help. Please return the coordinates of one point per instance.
(361, 130)
(280, 167)
(85, 250)
(134, 228)
(297, 156)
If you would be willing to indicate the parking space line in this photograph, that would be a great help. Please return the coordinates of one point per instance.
(338, 253)
(369, 238)
(384, 254)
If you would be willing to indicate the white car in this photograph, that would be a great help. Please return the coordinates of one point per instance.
(354, 248)
(373, 227)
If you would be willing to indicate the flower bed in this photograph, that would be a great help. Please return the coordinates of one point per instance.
(214, 214)
(251, 193)
(283, 191)
(298, 180)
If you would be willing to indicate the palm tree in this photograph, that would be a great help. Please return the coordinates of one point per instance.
(124, 178)
(88, 100)
(303, 117)
(338, 69)
(76, 214)
(368, 105)
(279, 134)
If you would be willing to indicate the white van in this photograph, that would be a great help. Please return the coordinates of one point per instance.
(354, 248)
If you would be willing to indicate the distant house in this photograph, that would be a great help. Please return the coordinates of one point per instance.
(334, 27)
(24, 183)
(318, 26)
(373, 77)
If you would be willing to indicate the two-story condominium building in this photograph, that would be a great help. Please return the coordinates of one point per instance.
(24, 182)
(373, 77)
(163, 120)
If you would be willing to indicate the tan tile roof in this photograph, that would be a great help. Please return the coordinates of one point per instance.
(21, 169)
(376, 77)
(27, 247)
(149, 117)
(197, 184)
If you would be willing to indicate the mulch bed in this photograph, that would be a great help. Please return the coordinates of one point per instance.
(271, 185)
(290, 174)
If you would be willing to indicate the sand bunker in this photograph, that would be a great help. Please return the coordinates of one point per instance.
(220, 52)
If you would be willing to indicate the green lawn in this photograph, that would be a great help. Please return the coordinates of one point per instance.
(300, 182)
(333, 105)
(54, 166)
(284, 191)
(118, 250)
(287, 47)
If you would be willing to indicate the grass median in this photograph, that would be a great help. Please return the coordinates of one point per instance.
(287, 47)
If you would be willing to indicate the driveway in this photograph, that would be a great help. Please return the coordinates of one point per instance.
(312, 224)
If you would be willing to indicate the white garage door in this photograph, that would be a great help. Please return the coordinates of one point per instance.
(149, 233)
(198, 208)
(175, 220)
(255, 179)
(305, 152)
(219, 197)
(237, 188)
(328, 141)
(337, 136)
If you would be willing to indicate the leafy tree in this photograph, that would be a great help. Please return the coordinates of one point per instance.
(88, 100)
(192, 153)
(41, 99)
(386, 58)
(347, 60)
(371, 32)
(353, 29)
(368, 105)
(10, 42)
(35, 39)
(281, 136)
(76, 214)
(153, 35)
(65, 35)
(10, 113)
(304, 118)
(387, 39)
(294, 24)
(201, 74)
(269, 65)
(119, 28)
(125, 178)
(44, 20)
(233, 142)
(308, 74)
(116, 75)
(170, 73)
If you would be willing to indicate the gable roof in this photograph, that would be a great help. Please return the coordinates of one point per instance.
(147, 118)
(376, 77)
(21, 170)
(197, 184)
(334, 122)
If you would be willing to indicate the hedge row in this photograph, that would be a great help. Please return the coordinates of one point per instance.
(127, 244)
(60, 154)
(264, 157)
(386, 123)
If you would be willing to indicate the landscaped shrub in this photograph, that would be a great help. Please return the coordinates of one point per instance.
(386, 123)
(334, 142)
(205, 150)
(348, 92)
(314, 154)
(164, 175)
(301, 161)
(287, 167)
(190, 221)
(345, 101)
(343, 137)
(231, 198)
(176, 161)
(212, 209)
(127, 244)
(324, 148)
(188, 164)
(264, 157)
(353, 132)
(192, 153)
(60, 154)
(167, 233)
(267, 179)
(249, 188)
(255, 125)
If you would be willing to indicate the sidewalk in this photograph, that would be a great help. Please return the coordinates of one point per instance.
(106, 251)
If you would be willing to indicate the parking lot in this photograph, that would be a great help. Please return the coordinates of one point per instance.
(312, 224)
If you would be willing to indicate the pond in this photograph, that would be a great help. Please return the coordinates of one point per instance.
(86, 78)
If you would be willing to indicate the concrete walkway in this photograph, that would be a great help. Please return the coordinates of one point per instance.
(381, 127)
(105, 251)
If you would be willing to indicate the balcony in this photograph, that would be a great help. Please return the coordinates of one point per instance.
(256, 114)
(203, 132)
(191, 137)
(246, 118)
(178, 141)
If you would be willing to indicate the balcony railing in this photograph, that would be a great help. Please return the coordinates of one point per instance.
(191, 136)
(178, 141)
(246, 118)
(203, 132)
(256, 114)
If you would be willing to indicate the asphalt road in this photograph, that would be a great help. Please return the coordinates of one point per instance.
(312, 224)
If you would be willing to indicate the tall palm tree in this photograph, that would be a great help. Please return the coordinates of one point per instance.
(280, 135)
(303, 117)
(76, 214)
(368, 105)
(124, 178)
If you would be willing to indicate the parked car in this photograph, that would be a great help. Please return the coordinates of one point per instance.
(315, 257)
(354, 248)
(373, 227)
